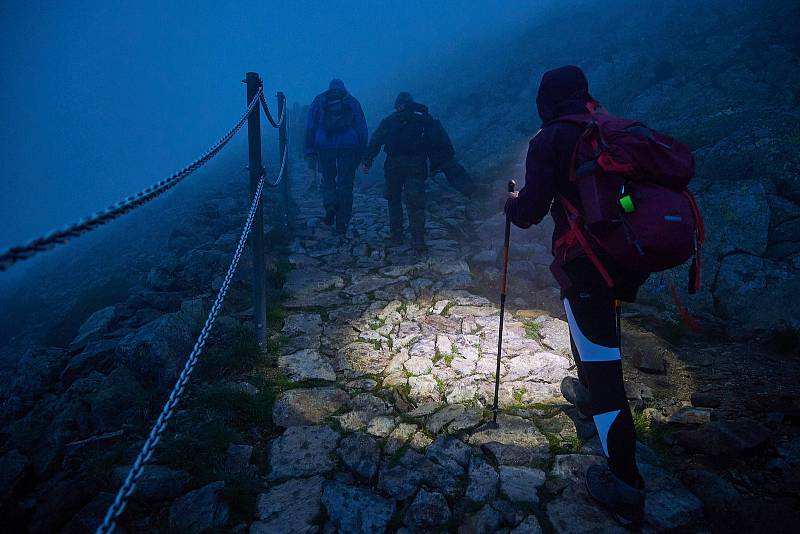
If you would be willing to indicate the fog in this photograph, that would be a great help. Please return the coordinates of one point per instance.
(102, 98)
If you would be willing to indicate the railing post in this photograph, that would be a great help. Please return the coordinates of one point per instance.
(282, 140)
(257, 234)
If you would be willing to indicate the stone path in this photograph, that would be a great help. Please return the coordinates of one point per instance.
(394, 359)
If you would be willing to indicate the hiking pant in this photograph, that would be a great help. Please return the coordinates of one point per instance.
(338, 167)
(405, 183)
(594, 335)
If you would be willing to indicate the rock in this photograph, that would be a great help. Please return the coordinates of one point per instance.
(573, 467)
(194, 313)
(745, 286)
(530, 525)
(574, 512)
(200, 510)
(554, 334)
(399, 480)
(724, 437)
(690, 416)
(156, 351)
(790, 451)
(451, 453)
(297, 407)
(238, 458)
(159, 279)
(311, 280)
(718, 495)
(302, 324)
(356, 510)
(306, 365)
(417, 365)
(95, 325)
(705, 400)
(440, 419)
(649, 360)
(303, 451)
(519, 484)
(97, 356)
(14, 466)
(484, 521)
(57, 503)
(483, 481)
(360, 452)
(424, 409)
(291, 507)
(157, 483)
(91, 515)
(399, 437)
(424, 388)
(37, 372)
(668, 504)
(515, 441)
(429, 509)
(381, 426)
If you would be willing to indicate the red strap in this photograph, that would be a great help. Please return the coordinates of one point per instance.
(576, 233)
(688, 320)
(608, 164)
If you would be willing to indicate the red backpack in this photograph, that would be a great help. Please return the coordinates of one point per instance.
(632, 181)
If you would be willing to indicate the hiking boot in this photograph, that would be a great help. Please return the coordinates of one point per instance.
(625, 502)
(419, 246)
(330, 217)
(578, 395)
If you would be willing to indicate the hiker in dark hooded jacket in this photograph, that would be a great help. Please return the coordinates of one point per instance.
(336, 134)
(590, 305)
(404, 137)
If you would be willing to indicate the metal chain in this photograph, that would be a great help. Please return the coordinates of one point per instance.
(269, 114)
(282, 171)
(23, 252)
(129, 486)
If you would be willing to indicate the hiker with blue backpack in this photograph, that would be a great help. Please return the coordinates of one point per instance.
(617, 193)
(336, 136)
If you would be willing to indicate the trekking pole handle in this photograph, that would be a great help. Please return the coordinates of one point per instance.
(512, 186)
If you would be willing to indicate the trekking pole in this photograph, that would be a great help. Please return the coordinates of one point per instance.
(503, 283)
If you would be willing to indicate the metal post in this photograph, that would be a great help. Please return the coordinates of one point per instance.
(257, 234)
(282, 139)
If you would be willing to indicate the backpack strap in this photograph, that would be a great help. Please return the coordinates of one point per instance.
(575, 234)
(699, 238)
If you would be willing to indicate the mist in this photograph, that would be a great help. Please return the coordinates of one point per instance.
(101, 99)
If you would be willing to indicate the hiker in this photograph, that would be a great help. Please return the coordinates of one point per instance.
(336, 134)
(558, 165)
(404, 137)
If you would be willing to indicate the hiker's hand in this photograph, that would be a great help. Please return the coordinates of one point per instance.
(513, 194)
(510, 201)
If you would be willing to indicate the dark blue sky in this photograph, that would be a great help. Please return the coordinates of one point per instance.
(102, 98)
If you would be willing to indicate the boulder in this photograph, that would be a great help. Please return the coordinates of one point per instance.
(515, 441)
(483, 479)
(200, 510)
(94, 326)
(303, 451)
(360, 452)
(357, 510)
(157, 351)
(519, 484)
(289, 508)
(157, 483)
(724, 437)
(428, 510)
(297, 407)
(718, 495)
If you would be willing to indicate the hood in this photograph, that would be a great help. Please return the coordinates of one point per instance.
(562, 91)
(336, 83)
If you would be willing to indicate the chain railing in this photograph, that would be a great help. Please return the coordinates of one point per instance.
(253, 228)
(129, 485)
(103, 217)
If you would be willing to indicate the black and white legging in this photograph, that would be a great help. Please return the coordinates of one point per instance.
(593, 326)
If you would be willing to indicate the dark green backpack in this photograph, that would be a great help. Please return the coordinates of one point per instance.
(337, 113)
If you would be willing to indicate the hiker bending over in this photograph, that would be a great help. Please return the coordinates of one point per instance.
(336, 134)
(404, 136)
(599, 391)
